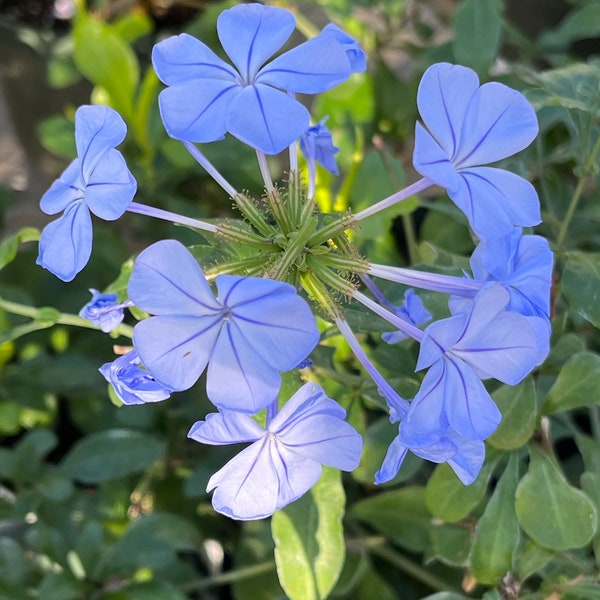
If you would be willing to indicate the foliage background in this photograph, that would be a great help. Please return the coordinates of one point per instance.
(107, 503)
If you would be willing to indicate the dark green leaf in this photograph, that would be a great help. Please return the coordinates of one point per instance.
(111, 454)
(553, 527)
(400, 515)
(581, 284)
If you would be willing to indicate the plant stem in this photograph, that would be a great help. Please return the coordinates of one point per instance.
(229, 577)
(577, 194)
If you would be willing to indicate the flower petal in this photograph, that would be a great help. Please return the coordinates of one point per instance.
(197, 110)
(252, 33)
(167, 280)
(498, 123)
(467, 462)
(111, 187)
(470, 410)
(310, 68)
(182, 58)
(260, 480)
(68, 188)
(430, 160)
(175, 349)
(237, 378)
(444, 94)
(495, 201)
(356, 55)
(97, 129)
(227, 427)
(315, 429)
(276, 119)
(392, 462)
(66, 244)
(277, 323)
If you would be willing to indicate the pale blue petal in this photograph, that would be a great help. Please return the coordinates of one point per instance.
(111, 187)
(276, 323)
(182, 58)
(355, 54)
(439, 336)
(197, 110)
(97, 129)
(260, 480)
(176, 349)
(499, 122)
(443, 97)
(308, 398)
(430, 160)
(228, 427)
(252, 33)
(426, 420)
(392, 462)
(237, 378)
(470, 409)
(495, 201)
(277, 120)
(438, 452)
(103, 310)
(167, 280)
(467, 462)
(314, 428)
(68, 188)
(310, 68)
(66, 244)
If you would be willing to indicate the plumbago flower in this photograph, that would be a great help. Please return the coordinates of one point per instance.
(132, 383)
(207, 97)
(284, 460)
(467, 126)
(104, 310)
(251, 331)
(98, 181)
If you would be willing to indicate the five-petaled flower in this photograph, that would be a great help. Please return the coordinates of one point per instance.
(254, 329)
(284, 460)
(98, 181)
(469, 126)
(208, 97)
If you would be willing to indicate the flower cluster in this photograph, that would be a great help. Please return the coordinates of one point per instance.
(256, 322)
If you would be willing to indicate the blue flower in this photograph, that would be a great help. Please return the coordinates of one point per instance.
(98, 181)
(254, 329)
(464, 456)
(284, 460)
(208, 97)
(132, 383)
(103, 310)
(522, 265)
(469, 126)
(413, 311)
(487, 341)
(316, 144)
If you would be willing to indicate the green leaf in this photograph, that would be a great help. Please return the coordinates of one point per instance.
(568, 519)
(10, 245)
(151, 590)
(56, 134)
(309, 541)
(450, 543)
(590, 452)
(531, 559)
(577, 384)
(60, 586)
(447, 498)
(13, 563)
(400, 515)
(477, 27)
(497, 533)
(107, 61)
(581, 284)
(579, 24)
(518, 406)
(590, 483)
(111, 454)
